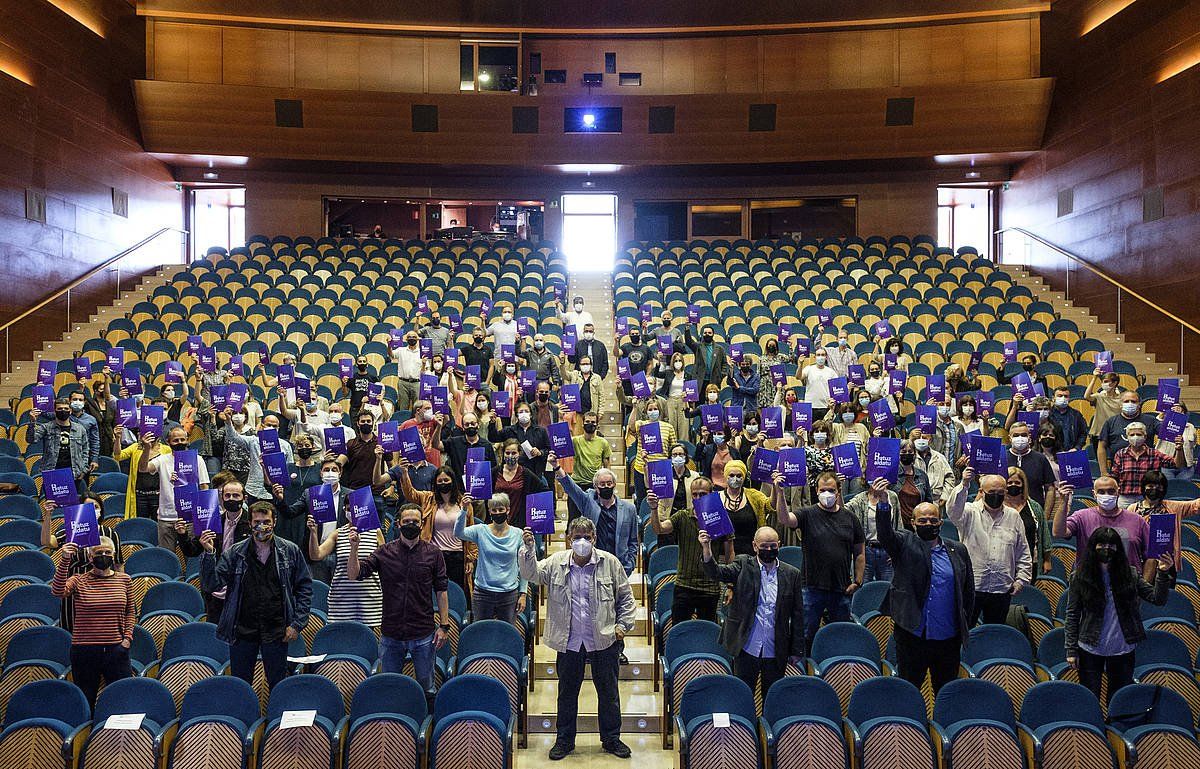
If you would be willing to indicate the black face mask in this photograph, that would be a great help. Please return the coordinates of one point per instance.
(471, 431)
(768, 554)
(1048, 442)
(1027, 366)
(605, 493)
(928, 531)
(589, 427)
(635, 338)
(1015, 491)
(365, 429)
(772, 349)
(444, 488)
(993, 499)
(1104, 556)
(231, 505)
(304, 452)
(543, 396)
(499, 518)
(1153, 493)
(102, 562)
(62, 416)
(907, 459)
(410, 530)
(874, 373)
(478, 341)
(362, 367)
(708, 339)
(745, 369)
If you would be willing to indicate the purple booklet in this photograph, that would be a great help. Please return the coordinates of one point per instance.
(1168, 396)
(561, 442)
(455, 322)
(733, 417)
(660, 478)
(839, 390)
(801, 416)
(772, 421)
(623, 368)
(985, 403)
(268, 441)
(824, 317)
(647, 312)
(785, 333)
(856, 374)
(1010, 352)
(794, 466)
(411, 447)
(374, 393)
(208, 511)
(287, 376)
(83, 368)
(1031, 418)
(1022, 385)
(1164, 533)
(439, 400)
(693, 313)
(275, 465)
(764, 463)
(186, 500)
(131, 381)
(345, 368)
(502, 403)
(987, 456)
(1073, 468)
(641, 385)
(890, 362)
(897, 381)
(485, 307)
(320, 503)
(45, 372)
(712, 416)
(1104, 361)
(478, 482)
(527, 381)
(883, 459)
(450, 354)
(845, 460)
(422, 304)
(81, 525)
(539, 512)
(883, 329)
(508, 353)
(425, 348)
(127, 413)
(974, 361)
(803, 346)
(691, 391)
(303, 389)
(194, 343)
(926, 419)
(735, 352)
(476, 454)
(935, 387)
(59, 486)
(650, 438)
(115, 359)
(150, 420)
(778, 374)
(396, 339)
(523, 326)
(425, 386)
(207, 359)
(570, 397)
(363, 515)
(388, 434)
(622, 327)
(712, 516)
(1173, 425)
(173, 372)
(237, 395)
(187, 467)
(237, 365)
(881, 414)
(335, 439)
(666, 345)
(474, 377)
(43, 398)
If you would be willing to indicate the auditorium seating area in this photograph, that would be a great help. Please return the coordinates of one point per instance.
(1016, 704)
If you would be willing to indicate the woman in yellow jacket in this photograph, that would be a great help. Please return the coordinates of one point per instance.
(141, 493)
(749, 509)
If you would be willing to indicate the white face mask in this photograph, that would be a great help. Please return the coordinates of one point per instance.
(652, 415)
(943, 411)
(751, 429)
(820, 438)
(238, 420)
(330, 478)
(482, 405)
(1020, 442)
(427, 415)
(538, 344)
(1136, 440)
(582, 547)
(1106, 501)
(735, 482)
(1129, 409)
(712, 397)
(335, 417)
(920, 444)
(585, 368)
(507, 316)
(821, 360)
(1060, 401)
(678, 461)
(588, 336)
(511, 369)
(578, 306)
(827, 498)
(678, 365)
(968, 410)
(437, 367)
(523, 418)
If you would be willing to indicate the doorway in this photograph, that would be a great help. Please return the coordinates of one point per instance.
(589, 231)
(217, 217)
(966, 218)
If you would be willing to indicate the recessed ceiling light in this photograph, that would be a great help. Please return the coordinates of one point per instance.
(210, 174)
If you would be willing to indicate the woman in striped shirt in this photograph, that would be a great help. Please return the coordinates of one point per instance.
(104, 617)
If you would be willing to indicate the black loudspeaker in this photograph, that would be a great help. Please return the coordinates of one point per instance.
(900, 111)
(1152, 204)
(662, 120)
(525, 120)
(762, 117)
(1066, 201)
(610, 63)
(593, 79)
(424, 118)
(289, 113)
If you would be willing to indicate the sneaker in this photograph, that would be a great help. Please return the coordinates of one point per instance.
(622, 659)
(561, 750)
(617, 748)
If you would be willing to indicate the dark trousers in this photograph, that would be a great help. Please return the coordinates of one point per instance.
(456, 564)
(243, 653)
(608, 697)
(1092, 668)
(916, 656)
(993, 607)
(693, 604)
(146, 504)
(818, 603)
(572, 508)
(750, 668)
(91, 663)
(487, 604)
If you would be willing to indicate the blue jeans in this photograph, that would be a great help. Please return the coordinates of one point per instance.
(243, 653)
(879, 565)
(393, 652)
(819, 602)
(1186, 474)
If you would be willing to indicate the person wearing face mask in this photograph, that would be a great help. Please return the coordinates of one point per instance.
(877, 384)
(815, 378)
(709, 356)
(1104, 620)
(1136, 459)
(1033, 517)
(454, 449)
(582, 630)
(591, 386)
(848, 424)
(863, 506)
(709, 396)
(1104, 393)
(503, 331)
(542, 361)
(576, 316)
(593, 452)
(834, 555)
(748, 439)
(268, 595)
(1028, 365)
(1113, 434)
(1081, 524)
(328, 549)
(235, 528)
(411, 571)
(498, 591)
(247, 444)
(588, 346)
(890, 355)
(477, 353)
(310, 538)
(54, 536)
(142, 488)
(841, 355)
(670, 391)
(696, 594)
(163, 467)
(938, 473)
(545, 412)
(105, 614)
(1154, 502)
(440, 509)
(429, 425)
(912, 484)
(100, 404)
(947, 433)
(713, 457)
(645, 412)
(62, 441)
(409, 366)
(750, 509)
(767, 391)
(995, 538)
(616, 519)
(1188, 471)
(683, 479)
(236, 455)
(437, 331)
(932, 596)
(960, 381)
(1049, 444)
(818, 454)
(517, 482)
(358, 463)
(524, 431)
(78, 403)
(1068, 420)
(970, 420)
(764, 630)
(744, 382)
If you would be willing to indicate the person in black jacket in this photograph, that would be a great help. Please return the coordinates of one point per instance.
(521, 430)
(1097, 640)
(711, 361)
(932, 593)
(590, 347)
(765, 627)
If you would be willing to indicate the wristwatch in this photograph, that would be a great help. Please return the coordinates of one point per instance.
(444, 628)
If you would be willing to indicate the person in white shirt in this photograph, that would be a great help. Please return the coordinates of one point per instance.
(163, 466)
(841, 355)
(815, 378)
(576, 316)
(408, 371)
(503, 331)
(995, 538)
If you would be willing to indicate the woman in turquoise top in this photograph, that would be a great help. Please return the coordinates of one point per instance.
(498, 591)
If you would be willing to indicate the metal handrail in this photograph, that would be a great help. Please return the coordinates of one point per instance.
(87, 275)
(1121, 287)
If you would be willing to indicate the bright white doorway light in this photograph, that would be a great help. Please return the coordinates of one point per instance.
(589, 232)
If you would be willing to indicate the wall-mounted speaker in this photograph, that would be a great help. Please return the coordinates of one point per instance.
(289, 113)
(662, 120)
(1153, 207)
(424, 118)
(900, 111)
(524, 120)
(762, 117)
(1066, 201)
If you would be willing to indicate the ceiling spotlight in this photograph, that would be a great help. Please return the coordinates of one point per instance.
(210, 174)
(972, 174)
(589, 120)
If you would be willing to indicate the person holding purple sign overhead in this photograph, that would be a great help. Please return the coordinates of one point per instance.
(878, 385)
(498, 590)
(54, 536)
(696, 594)
(1154, 503)
(947, 437)
(891, 356)
(588, 346)
(591, 385)
(1081, 524)
(709, 357)
(541, 361)
(62, 442)
(767, 388)
(863, 506)
(101, 405)
(714, 453)
(1104, 620)
(1176, 420)
(912, 484)
(105, 614)
(440, 511)
(141, 492)
(533, 440)
(517, 481)
(815, 377)
(670, 392)
(455, 449)
(436, 331)
(750, 509)
(1112, 435)
(995, 539)
(167, 467)
(764, 630)
(938, 473)
(647, 412)
(1103, 391)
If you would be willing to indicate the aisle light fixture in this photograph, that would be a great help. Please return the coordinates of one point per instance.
(15, 66)
(1179, 65)
(80, 13)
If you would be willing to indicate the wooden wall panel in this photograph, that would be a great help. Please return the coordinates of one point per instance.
(441, 65)
(252, 56)
(187, 52)
(678, 74)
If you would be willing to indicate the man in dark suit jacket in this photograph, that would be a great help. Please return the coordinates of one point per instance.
(323, 569)
(765, 626)
(592, 348)
(933, 591)
(711, 364)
